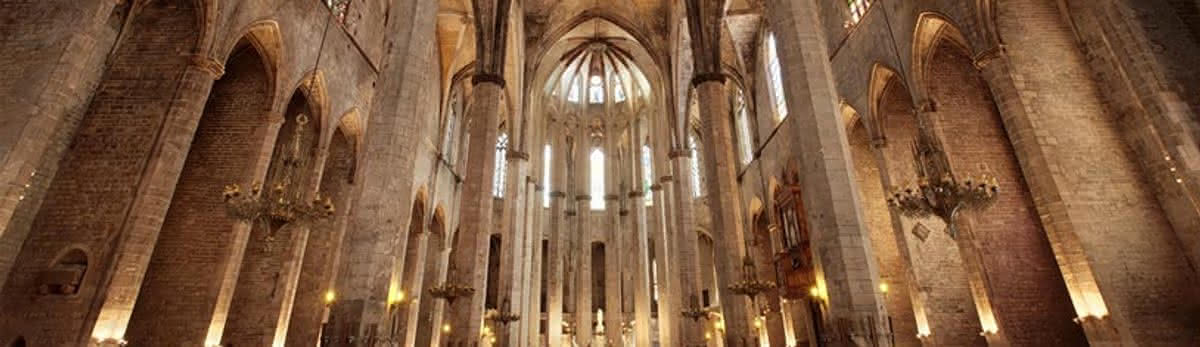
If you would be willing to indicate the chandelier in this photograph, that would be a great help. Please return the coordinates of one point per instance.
(750, 286)
(695, 312)
(502, 317)
(939, 192)
(451, 291)
(284, 203)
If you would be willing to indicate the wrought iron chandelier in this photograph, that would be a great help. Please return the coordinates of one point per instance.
(939, 192)
(695, 312)
(451, 291)
(750, 286)
(284, 203)
(502, 317)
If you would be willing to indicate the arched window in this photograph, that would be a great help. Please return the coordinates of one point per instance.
(452, 110)
(695, 168)
(647, 174)
(573, 92)
(501, 166)
(741, 115)
(858, 8)
(596, 89)
(596, 179)
(546, 171)
(775, 78)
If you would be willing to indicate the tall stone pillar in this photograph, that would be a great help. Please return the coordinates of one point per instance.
(531, 318)
(132, 255)
(555, 267)
(1082, 236)
(583, 244)
(514, 258)
(640, 252)
(470, 255)
(614, 239)
(725, 202)
(665, 265)
(373, 237)
(813, 129)
(686, 283)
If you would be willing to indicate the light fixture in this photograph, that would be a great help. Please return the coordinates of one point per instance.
(502, 317)
(883, 288)
(330, 297)
(284, 203)
(939, 192)
(446, 328)
(451, 291)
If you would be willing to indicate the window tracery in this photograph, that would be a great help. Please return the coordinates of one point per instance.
(647, 174)
(501, 166)
(697, 179)
(745, 140)
(858, 8)
(775, 78)
(596, 179)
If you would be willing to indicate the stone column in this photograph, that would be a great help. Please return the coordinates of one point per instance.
(614, 239)
(665, 264)
(911, 286)
(725, 203)
(532, 317)
(842, 250)
(470, 256)
(1060, 168)
(558, 227)
(514, 258)
(583, 247)
(686, 278)
(374, 236)
(132, 255)
(640, 253)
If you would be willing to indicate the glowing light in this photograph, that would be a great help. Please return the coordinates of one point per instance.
(330, 297)
(446, 328)
(883, 288)
(814, 292)
(707, 335)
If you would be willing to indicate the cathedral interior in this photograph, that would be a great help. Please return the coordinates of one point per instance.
(594, 173)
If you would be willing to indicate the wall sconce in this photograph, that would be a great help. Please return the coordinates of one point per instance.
(330, 297)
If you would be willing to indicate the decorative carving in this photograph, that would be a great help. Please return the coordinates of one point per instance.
(210, 64)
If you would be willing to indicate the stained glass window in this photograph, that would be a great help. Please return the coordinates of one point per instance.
(858, 8)
(546, 170)
(745, 140)
(596, 90)
(647, 174)
(775, 78)
(501, 166)
(597, 179)
(695, 168)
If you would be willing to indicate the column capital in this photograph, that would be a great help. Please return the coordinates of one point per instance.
(517, 155)
(557, 194)
(656, 187)
(488, 78)
(988, 56)
(702, 78)
(611, 197)
(208, 64)
(637, 194)
(582, 197)
(623, 212)
(676, 153)
(666, 179)
(571, 213)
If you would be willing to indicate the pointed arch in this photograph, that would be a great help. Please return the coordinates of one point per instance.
(930, 30)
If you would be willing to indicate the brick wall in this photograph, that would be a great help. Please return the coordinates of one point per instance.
(941, 277)
(86, 203)
(318, 269)
(183, 277)
(878, 218)
(1026, 289)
